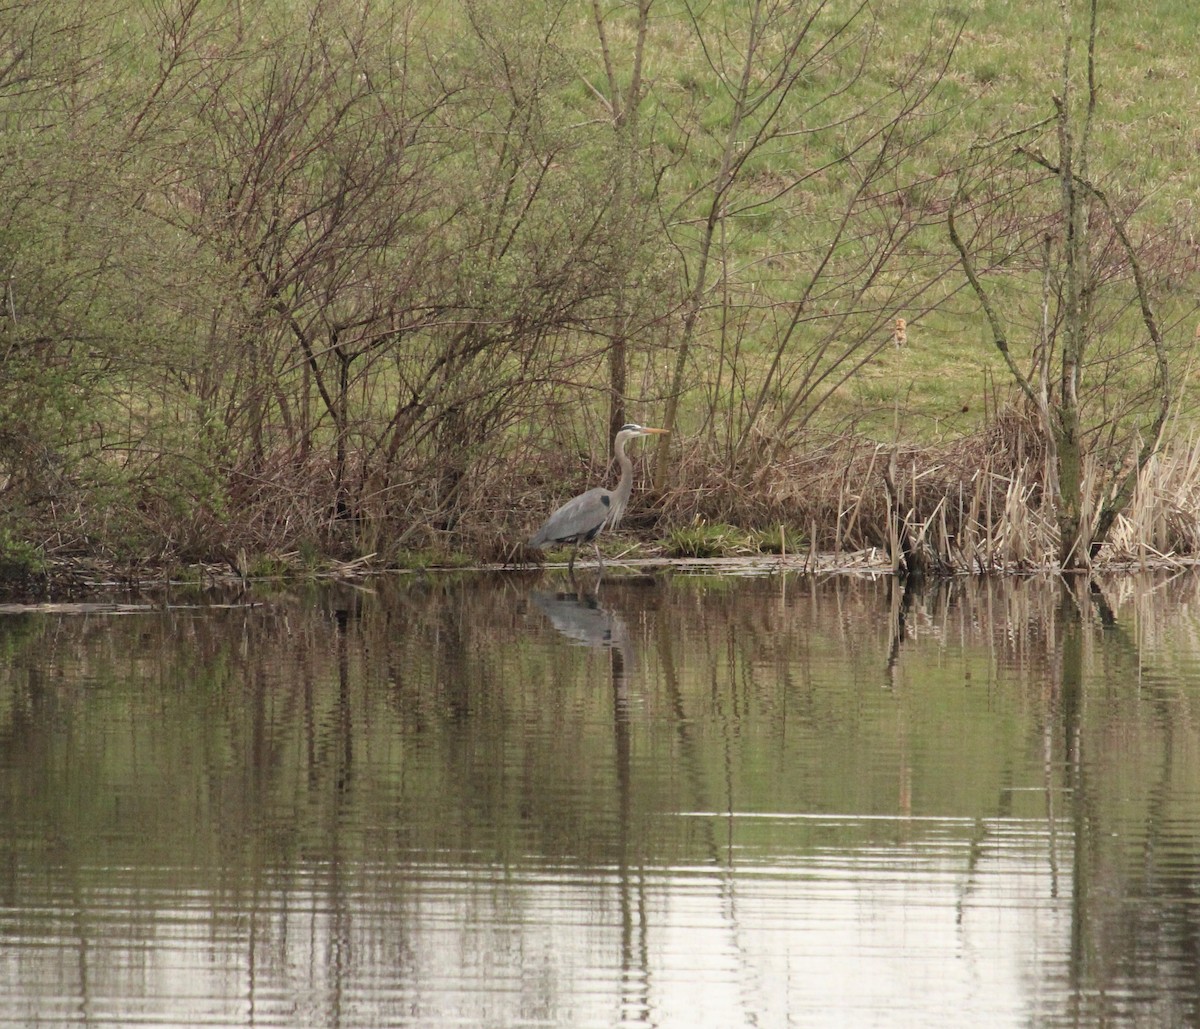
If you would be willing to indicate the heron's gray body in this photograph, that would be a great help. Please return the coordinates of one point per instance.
(581, 518)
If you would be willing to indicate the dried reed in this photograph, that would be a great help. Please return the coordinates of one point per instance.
(975, 504)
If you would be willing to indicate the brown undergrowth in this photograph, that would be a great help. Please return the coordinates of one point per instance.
(974, 504)
(971, 505)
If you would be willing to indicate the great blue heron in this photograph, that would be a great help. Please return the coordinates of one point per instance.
(581, 518)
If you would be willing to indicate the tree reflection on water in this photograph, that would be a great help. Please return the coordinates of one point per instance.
(685, 800)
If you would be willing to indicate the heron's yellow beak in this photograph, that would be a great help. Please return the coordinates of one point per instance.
(657, 432)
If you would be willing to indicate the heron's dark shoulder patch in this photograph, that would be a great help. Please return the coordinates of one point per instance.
(605, 500)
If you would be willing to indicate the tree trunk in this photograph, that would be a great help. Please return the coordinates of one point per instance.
(623, 110)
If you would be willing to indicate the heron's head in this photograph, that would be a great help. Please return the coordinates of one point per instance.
(631, 430)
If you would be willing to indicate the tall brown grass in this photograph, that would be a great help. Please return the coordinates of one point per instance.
(975, 504)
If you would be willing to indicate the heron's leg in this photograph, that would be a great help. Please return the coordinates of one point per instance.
(599, 556)
(571, 559)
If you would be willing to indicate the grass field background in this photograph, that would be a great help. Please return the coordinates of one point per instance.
(345, 278)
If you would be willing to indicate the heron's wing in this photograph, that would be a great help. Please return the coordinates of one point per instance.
(579, 519)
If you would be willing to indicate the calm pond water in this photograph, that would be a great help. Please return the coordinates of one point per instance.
(692, 801)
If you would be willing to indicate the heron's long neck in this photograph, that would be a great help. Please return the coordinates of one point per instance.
(620, 495)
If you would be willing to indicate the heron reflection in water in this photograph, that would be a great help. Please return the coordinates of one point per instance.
(581, 518)
(580, 618)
